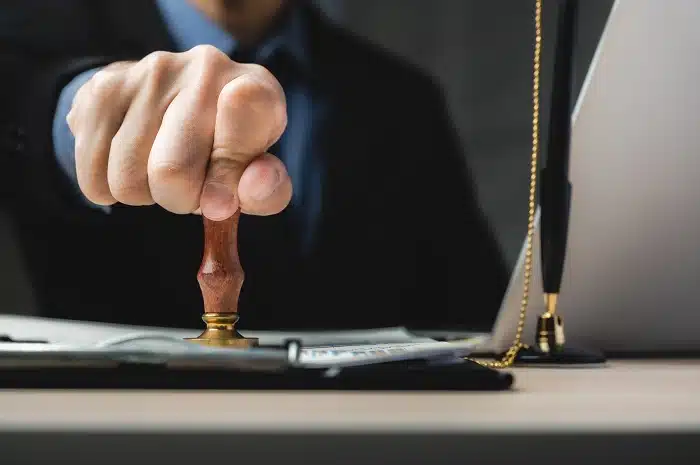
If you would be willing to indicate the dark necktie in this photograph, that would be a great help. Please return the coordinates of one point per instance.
(293, 147)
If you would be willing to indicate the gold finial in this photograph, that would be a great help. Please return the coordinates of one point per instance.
(550, 327)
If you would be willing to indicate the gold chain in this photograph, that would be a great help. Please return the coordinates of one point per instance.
(509, 357)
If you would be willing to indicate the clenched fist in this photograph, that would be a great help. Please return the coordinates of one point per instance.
(187, 131)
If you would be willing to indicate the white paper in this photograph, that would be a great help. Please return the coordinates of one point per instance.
(82, 333)
(372, 353)
(76, 339)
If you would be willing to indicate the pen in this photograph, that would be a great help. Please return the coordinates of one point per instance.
(555, 188)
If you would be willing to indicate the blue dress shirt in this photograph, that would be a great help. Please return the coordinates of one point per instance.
(188, 28)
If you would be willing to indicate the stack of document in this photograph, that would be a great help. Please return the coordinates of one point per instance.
(78, 341)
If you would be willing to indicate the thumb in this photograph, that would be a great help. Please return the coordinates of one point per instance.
(247, 123)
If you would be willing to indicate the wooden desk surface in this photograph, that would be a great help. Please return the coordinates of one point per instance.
(629, 396)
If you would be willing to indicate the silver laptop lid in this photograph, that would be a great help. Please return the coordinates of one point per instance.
(632, 275)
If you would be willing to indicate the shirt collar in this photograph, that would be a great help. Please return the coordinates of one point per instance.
(189, 27)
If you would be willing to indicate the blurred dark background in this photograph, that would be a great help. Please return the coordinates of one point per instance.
(481, 51)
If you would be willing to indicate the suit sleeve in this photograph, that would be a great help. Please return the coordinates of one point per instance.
(40, 56)
(62, 137)
(462, 275)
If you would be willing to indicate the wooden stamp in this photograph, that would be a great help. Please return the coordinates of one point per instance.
(221, 279)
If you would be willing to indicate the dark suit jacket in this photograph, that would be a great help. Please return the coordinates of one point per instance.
(402, 239)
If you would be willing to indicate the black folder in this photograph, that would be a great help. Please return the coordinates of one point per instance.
(266, 368)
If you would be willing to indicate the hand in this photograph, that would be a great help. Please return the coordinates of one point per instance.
(187, 131)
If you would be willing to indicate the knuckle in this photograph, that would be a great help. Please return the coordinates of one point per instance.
(105, 84)
(261, 114)
(174, 186)
(260, 72)
(156, 67)
(79, 96)
(157, 62)
(267, 80)
(210, 56)
(206, 70)
(263, 94)
(273, 90)
(168, 172)
(252, 92)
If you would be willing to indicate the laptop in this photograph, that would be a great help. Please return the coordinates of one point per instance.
(632, 274)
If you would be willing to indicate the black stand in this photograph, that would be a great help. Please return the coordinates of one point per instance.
(565, 357)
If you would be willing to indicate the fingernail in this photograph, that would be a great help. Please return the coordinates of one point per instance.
(218, 202)
(269, 182)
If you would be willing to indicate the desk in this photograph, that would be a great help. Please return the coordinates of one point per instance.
(587, 408)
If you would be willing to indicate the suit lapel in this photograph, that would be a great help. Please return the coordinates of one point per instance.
(328, 84)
